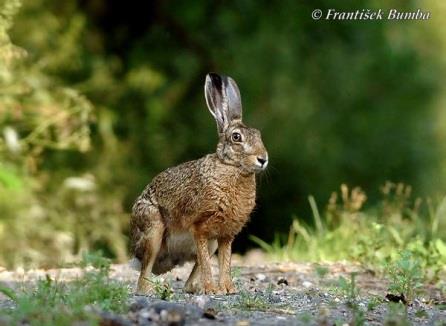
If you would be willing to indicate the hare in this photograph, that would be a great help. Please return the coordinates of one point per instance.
(187, 211)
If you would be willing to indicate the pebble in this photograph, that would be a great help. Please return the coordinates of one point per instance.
(201, 301)
(210, 313)
(139, 304)
(307, 284)
(282, 281)
(110, 319)
(260, 277)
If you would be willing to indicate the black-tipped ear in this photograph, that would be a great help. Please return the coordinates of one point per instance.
(223, 99)
(214, 98)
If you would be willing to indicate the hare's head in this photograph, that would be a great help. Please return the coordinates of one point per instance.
(238, 144)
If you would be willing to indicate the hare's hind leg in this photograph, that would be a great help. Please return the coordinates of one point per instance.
(149, 245)
(192, 285)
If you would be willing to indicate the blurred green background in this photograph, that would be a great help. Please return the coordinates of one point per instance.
(97, 97)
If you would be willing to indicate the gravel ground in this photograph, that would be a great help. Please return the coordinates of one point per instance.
(269, 294)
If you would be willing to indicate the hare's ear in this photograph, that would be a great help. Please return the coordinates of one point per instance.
(223, 100)
(234, 101)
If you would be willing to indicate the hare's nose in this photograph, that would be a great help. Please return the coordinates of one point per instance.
(262, 160)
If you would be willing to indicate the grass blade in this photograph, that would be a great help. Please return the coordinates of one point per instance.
(316, 215)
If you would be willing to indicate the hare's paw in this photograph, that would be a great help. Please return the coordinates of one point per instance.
(196, 288)
(144, 287)
(209, 288)
(226, 287)
(192, 287)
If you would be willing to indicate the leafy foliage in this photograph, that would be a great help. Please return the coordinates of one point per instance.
(36, 112)
(37, 115)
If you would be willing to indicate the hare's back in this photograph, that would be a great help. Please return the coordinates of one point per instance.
(176, 185)
(174, 179)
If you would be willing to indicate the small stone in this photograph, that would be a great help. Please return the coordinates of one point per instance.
(307, 284)
(260, 277)
(145, 314)
(143, 322)
(139, 304)
(201, 301)
(210, 313)
(396, 298)
(110, 319)
(176, 312)
(163, 315)
(283, 281)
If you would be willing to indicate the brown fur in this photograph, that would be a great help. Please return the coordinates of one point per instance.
(186, 209)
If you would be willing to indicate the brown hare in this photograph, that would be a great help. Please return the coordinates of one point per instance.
(187, 211)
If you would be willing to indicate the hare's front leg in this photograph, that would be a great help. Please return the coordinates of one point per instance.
(191, 285)
(204, 264)
(224, 264)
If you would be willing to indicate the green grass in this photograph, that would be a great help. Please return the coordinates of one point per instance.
(247, 300)
(375, 237)
(52, 302)
(406, 276)
(162, 288)
(396, 315)
(348, 288)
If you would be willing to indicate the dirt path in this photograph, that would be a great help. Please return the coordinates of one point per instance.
(269, 294)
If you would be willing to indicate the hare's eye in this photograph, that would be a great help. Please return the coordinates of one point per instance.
(236, 137)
